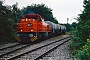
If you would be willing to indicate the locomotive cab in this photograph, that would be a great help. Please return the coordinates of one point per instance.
(33, 16)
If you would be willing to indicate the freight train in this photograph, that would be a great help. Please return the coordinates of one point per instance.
(33, 28)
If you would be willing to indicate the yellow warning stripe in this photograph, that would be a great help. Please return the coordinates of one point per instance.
(17, 38)
(34, 38)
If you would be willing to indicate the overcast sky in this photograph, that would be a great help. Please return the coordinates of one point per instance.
(62, 9)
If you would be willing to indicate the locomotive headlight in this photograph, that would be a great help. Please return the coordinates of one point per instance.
(26, 19)
(18, 35)
(31, 30)
(21, 30)
(30, 35)
(29, 24)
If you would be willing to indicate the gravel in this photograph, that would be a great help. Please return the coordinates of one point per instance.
(61, 53)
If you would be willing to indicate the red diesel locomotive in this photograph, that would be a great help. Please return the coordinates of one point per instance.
(32, 28)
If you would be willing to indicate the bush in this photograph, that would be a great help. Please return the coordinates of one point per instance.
(84, 52)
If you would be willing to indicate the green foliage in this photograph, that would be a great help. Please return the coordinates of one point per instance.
(17, 13)
(84, 52)
(84, 30)
(84, 22)
(86, 13)
(74, 24)
(69, 27)
(42, 10)
(82, 34)
(6, 24)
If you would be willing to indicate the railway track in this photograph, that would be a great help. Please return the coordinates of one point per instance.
(60, 53)
(39, 53)
(35, 51)
(9, 48)
(2, 47)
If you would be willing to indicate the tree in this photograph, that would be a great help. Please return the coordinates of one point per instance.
(81, 40)
(84, 21)
(68, 27)
(6, 24)
(74, 24)
(42, 10)
(16, 12)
